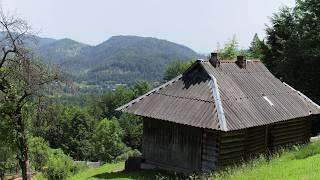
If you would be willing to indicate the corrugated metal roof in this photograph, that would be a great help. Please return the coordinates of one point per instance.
(249, 97)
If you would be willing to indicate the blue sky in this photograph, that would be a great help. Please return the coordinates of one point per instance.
(198, 24)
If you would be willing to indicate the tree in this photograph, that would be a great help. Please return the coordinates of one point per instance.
(21, 78)
(293, 43)
(132, 126)
(141, 87)
(255, 49)
(78, 128)
(107, 138)
(104, 106)
(176, 68)
(230, 50)
(278, 34)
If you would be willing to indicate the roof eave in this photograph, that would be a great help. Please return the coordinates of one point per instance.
(122, 108)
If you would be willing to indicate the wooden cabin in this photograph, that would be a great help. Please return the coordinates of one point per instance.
(218, 113)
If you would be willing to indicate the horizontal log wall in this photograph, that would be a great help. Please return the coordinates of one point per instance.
(286, 133)
(187, 149)
(209, 151)
(172, 146)
(231, 147)
(236, 146)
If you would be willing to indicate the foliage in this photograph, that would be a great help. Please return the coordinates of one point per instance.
(67, 127)
(230, 49)
(7, 159)
(141, 87)
(22, 77)
(74, 128)
(59, 165)
(53, 163)
(78, 127)
(132, 127)
(38, 152)
(293, 46)
(105, 105)
(256, 48)
(107, 138)
(126, 155)
(176, 68)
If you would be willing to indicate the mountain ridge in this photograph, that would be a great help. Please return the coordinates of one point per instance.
(121, 59)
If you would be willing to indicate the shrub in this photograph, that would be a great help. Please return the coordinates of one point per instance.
(52, 162)
(38, 152)
(107, 138)
(59, 165)
(126, 155)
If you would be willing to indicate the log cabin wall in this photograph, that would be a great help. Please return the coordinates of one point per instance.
(231, 147)
(209, 150)
(172, 146)
(235, 146)
(296, 131)
(181, 148)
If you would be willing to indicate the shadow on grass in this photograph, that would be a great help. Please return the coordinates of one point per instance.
(130, 175)
(141, 174)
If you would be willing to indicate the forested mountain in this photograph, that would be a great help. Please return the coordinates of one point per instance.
(118, 60)
(60, 51)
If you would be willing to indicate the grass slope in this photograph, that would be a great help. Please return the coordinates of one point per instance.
(114, 171)
(298, 163)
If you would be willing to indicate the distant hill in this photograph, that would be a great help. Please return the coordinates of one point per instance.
(118, 60)
(62, 50)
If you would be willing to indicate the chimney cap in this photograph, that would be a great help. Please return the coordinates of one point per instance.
(241, 58)
(214, 54)
(241, 61)
(214, 61)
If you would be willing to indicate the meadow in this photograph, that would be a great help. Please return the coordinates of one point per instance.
(298, 162)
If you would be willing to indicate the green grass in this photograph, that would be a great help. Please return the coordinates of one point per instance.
(301, 162)
(298, 163)
(115, 171)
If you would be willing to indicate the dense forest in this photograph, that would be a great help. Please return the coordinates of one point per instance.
(44, 127)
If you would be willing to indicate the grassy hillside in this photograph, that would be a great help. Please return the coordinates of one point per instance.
(298, 163)
(114, 171)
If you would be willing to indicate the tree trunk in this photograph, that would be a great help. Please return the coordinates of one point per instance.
(22, 146)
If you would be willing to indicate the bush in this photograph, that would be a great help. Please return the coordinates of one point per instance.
(59, 165)
(7, 160)
(38, 152)
(107, 138)
(52, 162)
(126, 155)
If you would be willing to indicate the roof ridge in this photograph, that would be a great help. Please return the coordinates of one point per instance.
(217, 100)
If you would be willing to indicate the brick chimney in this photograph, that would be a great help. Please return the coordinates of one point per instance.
(214, 61)
(241, 62)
